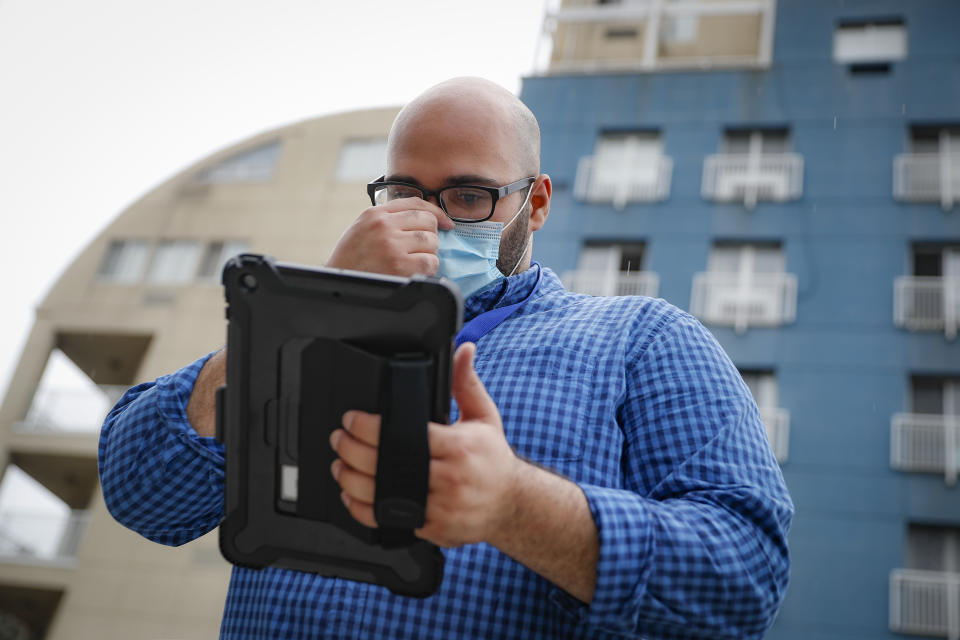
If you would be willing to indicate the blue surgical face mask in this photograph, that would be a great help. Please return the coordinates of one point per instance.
(468, 253)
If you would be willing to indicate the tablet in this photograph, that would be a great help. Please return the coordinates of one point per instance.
(305, 345)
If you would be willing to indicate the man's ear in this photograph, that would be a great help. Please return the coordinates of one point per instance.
(542, 189)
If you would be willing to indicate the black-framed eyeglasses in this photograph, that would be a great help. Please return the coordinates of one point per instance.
(461, 202)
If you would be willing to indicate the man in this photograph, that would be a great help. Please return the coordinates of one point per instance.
(607, 473)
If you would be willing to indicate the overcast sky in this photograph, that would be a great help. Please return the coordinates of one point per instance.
(102, 100)
(105, 99)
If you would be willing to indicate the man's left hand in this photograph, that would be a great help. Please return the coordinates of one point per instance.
(473, 470)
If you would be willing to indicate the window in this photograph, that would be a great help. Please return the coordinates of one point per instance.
(935, 395)
(865, 41)
(362, 160)
(124, 261)
(753, 164)
(254, 165)
(776, 421)
(681, 29)
(746, 260)
(935, 139)
(174, 262)
(745, 284)
(756, 141)
(933, 548)
(612, 270)
(763, 386)
(625, 167)
(215, 256)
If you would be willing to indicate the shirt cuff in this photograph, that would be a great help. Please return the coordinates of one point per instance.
(174, 394)
(625, 537)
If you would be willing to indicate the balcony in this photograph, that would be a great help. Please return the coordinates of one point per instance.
(927, 303)
(41, 538)
(727, 299)
(606, 283)
(751, 177)
(646, 184)
(69, 410)
(777, 423)
(925, 603)
(583, 36)
(927, 177)
(926, 443)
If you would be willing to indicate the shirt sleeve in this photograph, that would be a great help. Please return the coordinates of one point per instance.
(694, 545)
(161, 478)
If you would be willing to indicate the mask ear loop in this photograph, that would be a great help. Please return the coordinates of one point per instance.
(529, 246)
(520, 210)
(529, 242)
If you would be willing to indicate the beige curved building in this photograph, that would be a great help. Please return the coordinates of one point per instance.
(141, 300)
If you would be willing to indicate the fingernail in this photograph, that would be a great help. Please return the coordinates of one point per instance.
(345, 498)
(347, 419)
(335, 438)
(336, 468)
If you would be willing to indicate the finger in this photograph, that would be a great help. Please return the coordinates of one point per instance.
(444, 443)
(359, 486)
(417, 220)
(361, 511)
(471, 396)
(419, 205)
(424, 263)
(420, 241)
(356, 454)
(363, 426)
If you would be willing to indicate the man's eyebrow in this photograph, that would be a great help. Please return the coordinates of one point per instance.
(406, 179)
(467, 178)
(472, 179)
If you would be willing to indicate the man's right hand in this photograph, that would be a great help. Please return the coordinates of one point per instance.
(397, 238)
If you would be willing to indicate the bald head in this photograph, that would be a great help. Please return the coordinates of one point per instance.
(474, 111)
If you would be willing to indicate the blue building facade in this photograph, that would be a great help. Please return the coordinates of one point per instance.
(857, 363)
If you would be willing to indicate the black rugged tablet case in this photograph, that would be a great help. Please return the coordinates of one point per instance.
(305, 345)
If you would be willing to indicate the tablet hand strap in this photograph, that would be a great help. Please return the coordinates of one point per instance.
(403, 458)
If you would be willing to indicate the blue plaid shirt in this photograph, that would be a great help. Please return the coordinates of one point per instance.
(629, 397)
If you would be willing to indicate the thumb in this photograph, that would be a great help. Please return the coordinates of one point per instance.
(471, 396)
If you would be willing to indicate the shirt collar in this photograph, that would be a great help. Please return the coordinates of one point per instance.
(500, 293)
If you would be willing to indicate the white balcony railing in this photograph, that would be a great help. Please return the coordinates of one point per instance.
(927, 303)
(925, 603)
(615, 283)
(648, 184)
(926, 443)
(41, 537)
(777, 423)
(762, 299)
(927, 177)
(751, 177)
(69, 410)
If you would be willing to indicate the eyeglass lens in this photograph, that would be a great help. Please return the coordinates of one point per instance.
(459, 202)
